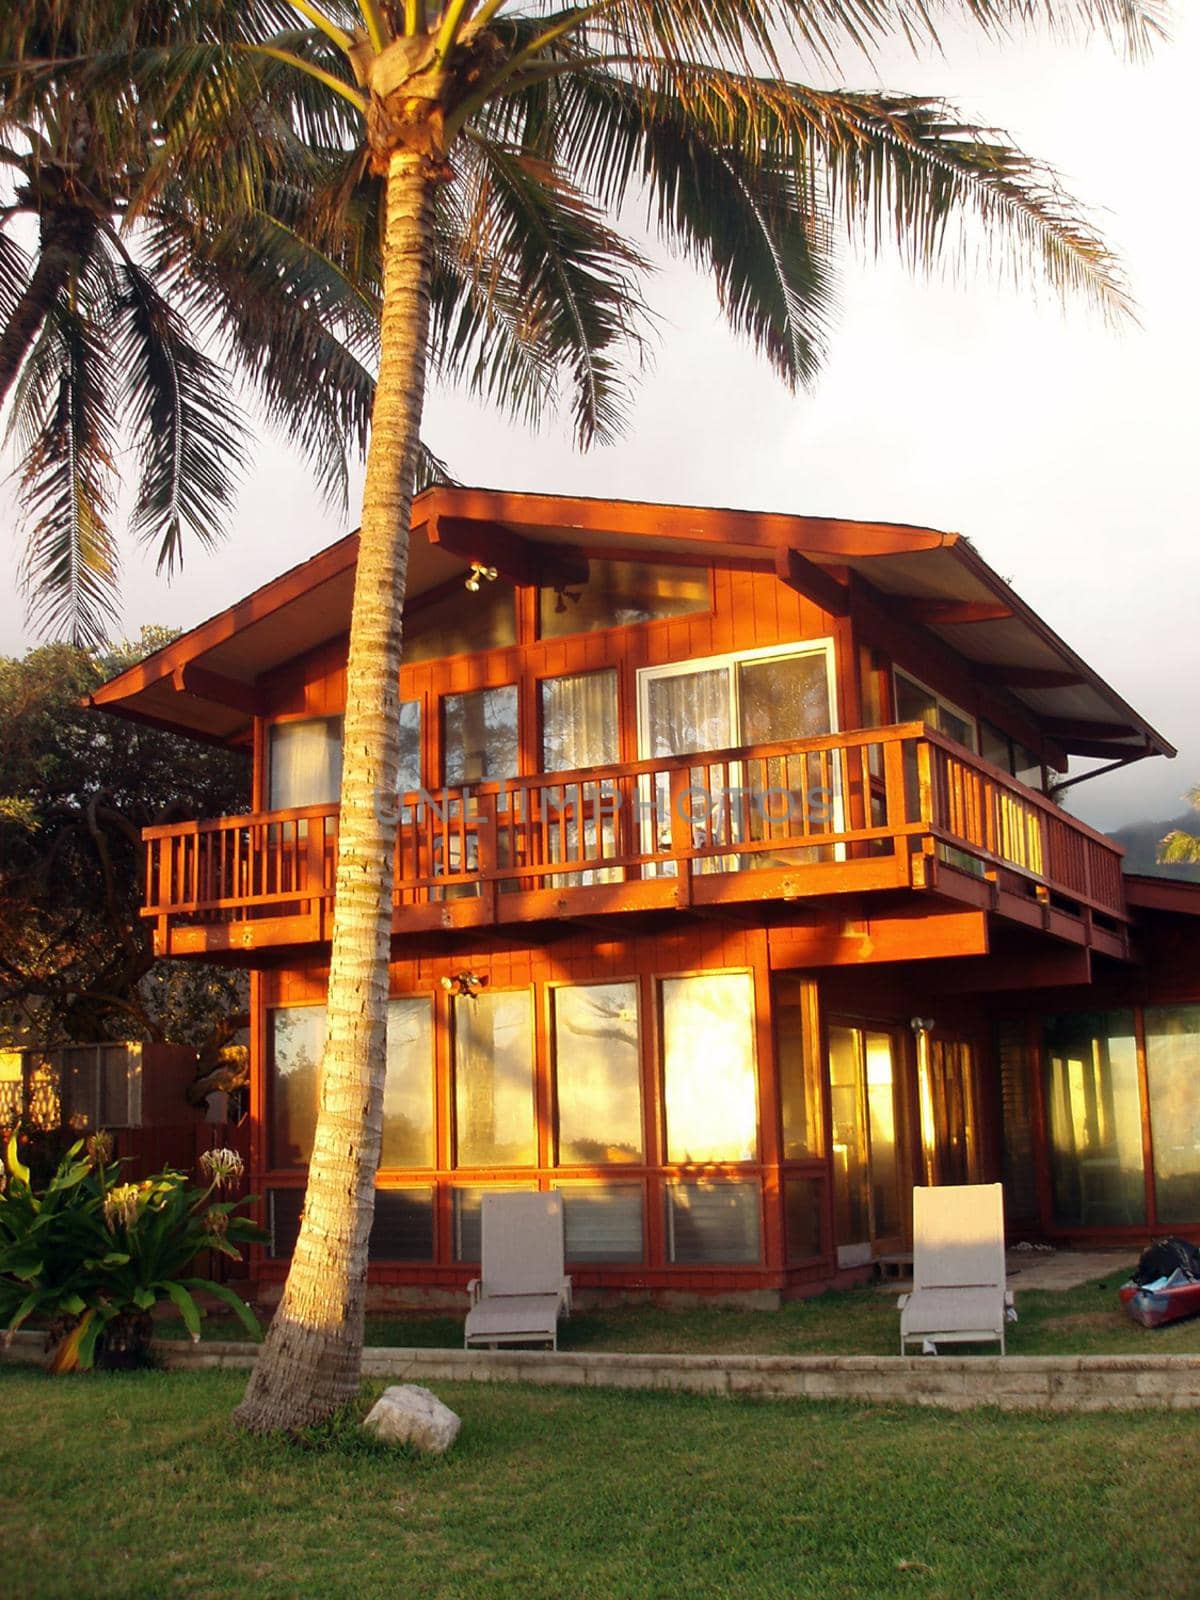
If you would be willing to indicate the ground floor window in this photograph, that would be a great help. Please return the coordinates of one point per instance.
(598, 1074)
(1094, 1118)
(712, 1223)
(708, 1068)
(402, 1229)
(603, 1222)
(493, 1079)
(1173, 1078)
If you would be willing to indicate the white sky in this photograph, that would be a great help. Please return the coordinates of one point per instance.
(1060, 447)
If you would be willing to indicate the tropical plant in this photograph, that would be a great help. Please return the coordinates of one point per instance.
(1179, 845)
(123, 270)
(503, 136)
(92, 1255)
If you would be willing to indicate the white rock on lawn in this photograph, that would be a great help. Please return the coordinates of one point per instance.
(409, 1414)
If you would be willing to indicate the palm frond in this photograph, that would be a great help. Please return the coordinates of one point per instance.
(64, 424)
(193, 441)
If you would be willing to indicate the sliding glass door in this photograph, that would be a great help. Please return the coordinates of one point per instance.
(753, 698)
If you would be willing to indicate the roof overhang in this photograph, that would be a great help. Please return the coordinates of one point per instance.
(208, 682)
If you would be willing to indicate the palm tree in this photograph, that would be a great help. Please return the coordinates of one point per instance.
(503, 133)
(1179, 846)
(142, 260)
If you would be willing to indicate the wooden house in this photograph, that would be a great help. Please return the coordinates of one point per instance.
(730, 896)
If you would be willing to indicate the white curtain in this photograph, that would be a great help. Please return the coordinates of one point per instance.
(579, 721)
(305, 763)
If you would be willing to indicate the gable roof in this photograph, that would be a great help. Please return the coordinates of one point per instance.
(204, 682)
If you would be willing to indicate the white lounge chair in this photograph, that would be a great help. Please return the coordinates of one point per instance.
(523, 1290)
(958, 1294)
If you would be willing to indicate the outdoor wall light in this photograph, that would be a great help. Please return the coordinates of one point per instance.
(466, 983)
(479, 574)
(921, 1024)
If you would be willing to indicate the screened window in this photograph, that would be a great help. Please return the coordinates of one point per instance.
(481, 735)
(493, 1079)
(1095, 1119)
(598, 1074)
(1173, 1071)
(296, 1041)
(618, 593)
(579, 721)
(467, 1216)
(304, 763)
(603, 1222)
(712, 1224)
(402, 1229)
(708, 1068)
(460, 622)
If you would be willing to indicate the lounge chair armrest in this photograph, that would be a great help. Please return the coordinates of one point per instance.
(565, 1294)
(473, 1289)
(902, 1302)
(1008, 1298)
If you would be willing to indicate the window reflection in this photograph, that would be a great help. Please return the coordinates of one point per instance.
(1095, 1119)
(709, 1223)
(304, 763)
(493, 1080)
(617, 593)
(481, 735)
(598, 1074)
(459, 623)
(708, 1067)
(1173, 1070)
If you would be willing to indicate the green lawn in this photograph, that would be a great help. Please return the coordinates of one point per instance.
(136, 1487)
(1083, 1321)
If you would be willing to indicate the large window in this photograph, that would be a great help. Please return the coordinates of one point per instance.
(1095, 1119)
(459, 622)
(708, 1068)
(712, 1223)
(579, 721)
(493, 1079)
(916, 703)
(304, 763)
(481, 735)
(598, 1074)
(1173, 1071)
(603, 1222)
(797, 1043)
(617, 593)
(296, 1040)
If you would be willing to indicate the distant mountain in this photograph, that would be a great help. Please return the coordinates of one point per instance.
(1142, 839)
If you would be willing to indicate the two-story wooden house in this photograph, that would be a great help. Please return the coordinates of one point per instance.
(729, 895)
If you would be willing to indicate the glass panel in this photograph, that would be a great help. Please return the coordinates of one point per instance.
(995, 747)
(1016, 1111)
(783, 697)
(712, 1223)
(460, 622)
(481, 735)
(603, 1222)
(493, 1080)
(304, 763)
(955, 727)
(467, 1216)
(283, 1220)
(1173, 1069)
(618, 593)
(687, 712)
(915, 703)
(408, 1089)
(708, 1067)
(409, 775)
(1027, 768)
(802, 1203)
(296, 1038)
(881, 1115)
(402, 1229)
(799, 1086)
(598, 1074)
(579, 721)
(851, 1165)
(1095, 1120)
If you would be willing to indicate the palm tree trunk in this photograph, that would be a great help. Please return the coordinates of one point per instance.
(310, 1363)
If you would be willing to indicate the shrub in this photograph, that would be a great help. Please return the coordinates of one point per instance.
(92, 1255)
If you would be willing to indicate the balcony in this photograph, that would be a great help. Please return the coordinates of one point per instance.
(883, 809)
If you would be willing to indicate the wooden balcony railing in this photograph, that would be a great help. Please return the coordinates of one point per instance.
(882, 808)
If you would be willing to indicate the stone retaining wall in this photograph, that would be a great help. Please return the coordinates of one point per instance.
(1046, 1383)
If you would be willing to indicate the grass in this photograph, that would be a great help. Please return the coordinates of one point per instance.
(1084, 1321)
(137, 1486)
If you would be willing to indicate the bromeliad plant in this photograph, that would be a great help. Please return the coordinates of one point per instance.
(91, 1255)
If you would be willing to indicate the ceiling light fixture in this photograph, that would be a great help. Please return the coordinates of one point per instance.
(479, 574)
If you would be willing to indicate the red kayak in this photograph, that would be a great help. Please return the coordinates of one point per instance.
(1152, 1305)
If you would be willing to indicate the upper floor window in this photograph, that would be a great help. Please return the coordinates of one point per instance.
(916, 703)
(618, 593)
(579, 721)
(480, 731)
(304, 763)
(996, 746)
(458, 623)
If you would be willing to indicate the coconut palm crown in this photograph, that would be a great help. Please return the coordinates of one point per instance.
(502, 139)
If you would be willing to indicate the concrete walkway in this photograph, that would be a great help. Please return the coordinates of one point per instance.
(1051, 1270)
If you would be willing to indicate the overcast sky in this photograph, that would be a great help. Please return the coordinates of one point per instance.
(1067, 452)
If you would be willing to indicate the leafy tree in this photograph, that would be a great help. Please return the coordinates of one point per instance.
(498, 138)
(76, 789)
(1180, 846)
